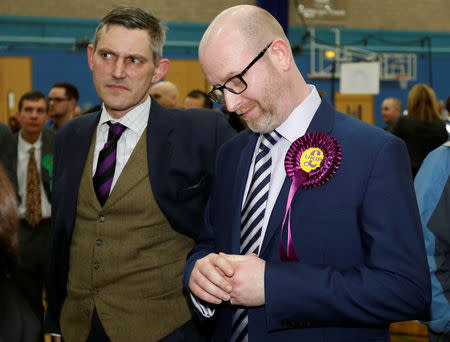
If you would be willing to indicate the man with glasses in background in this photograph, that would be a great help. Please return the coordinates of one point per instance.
(63, 99)
(297, 247)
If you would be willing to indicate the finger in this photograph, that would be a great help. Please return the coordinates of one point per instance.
(223, 264)
(235, 257)
(215, 276)
(201, 286)
(203, 295)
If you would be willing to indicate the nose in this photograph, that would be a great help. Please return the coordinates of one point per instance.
(232, 101)
(119, 69)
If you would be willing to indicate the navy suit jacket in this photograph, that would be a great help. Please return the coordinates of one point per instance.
(358, 237)
(181, 147)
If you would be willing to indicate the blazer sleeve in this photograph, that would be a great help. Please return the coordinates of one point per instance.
(393, 282)
(432, 185)
(55, 288)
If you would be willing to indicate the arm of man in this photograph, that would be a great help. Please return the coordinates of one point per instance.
(54, 288)
(393, 284)
(432, 185)
(206, 272)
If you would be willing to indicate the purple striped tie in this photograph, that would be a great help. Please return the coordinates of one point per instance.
(106, 164)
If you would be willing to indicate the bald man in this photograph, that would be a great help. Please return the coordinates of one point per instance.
(391, 110)
(351, 257)
(166, 93)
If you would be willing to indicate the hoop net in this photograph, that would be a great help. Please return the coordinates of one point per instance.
(402, 80)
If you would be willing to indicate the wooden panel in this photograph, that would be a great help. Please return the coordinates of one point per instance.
(413, 328)
(411, 331)
(359, 106)
(187, 75)
(15, 80)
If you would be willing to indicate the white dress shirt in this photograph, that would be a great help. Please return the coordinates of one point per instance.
(294, 127)
(136, 121)
(291, 129)
(23, 157)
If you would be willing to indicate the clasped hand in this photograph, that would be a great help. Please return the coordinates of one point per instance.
(226, 277)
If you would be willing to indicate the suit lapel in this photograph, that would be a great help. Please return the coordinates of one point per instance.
(78, 148)
(14, 161)
(322, 121)
(159, 146)
(241, 177)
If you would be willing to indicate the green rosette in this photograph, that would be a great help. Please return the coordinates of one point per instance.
(47, 163)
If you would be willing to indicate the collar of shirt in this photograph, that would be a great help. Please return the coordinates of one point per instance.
(135, 120)
(24, 146)
(291, 129)
(298, 121)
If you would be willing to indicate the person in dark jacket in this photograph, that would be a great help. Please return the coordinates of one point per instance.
(17, 320)
(423, 129)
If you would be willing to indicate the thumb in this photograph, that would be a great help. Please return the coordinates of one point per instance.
(234, 257)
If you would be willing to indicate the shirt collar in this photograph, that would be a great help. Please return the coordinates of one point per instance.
(25, 145)
(135, 120)
(298, 121)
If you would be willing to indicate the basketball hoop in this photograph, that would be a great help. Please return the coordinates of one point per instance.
(402, 80)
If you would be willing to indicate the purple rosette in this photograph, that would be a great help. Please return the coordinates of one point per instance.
(311, 161)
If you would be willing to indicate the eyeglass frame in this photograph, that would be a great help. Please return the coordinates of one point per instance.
(214, 98)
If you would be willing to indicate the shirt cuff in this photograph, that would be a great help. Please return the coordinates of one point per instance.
(204, 309)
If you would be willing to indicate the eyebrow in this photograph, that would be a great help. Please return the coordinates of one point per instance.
(135, 55)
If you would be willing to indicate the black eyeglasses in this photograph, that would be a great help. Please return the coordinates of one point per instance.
(235, 84)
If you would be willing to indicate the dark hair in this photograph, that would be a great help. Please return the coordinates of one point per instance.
(33, 95)
(71, 90)
(8, 224)
(135, 18)
(447, 105)
(198, 94)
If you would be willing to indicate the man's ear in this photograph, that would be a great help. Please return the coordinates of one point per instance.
(280, 53)
(18, 117)
(161, 70)
(73, 102)
(90, 55)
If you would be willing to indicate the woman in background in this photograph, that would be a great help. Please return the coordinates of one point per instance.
(423, 129)
(17, 321)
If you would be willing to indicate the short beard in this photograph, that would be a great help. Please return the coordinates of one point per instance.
(261, 126)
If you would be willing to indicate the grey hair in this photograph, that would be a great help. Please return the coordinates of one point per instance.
(135, 18)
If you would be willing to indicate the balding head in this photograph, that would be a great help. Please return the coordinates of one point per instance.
(245, 49)
(166, 93)
(255, 26)
(391, 110)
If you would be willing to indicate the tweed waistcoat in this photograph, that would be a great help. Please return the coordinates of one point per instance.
(125, 260)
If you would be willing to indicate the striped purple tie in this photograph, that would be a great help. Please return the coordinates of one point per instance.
(106, 164)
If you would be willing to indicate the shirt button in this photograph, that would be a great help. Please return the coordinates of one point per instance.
(96, 266)
(99, 242)
(95, 291)
(101, 218)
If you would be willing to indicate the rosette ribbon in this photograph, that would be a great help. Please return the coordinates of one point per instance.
(311, 161)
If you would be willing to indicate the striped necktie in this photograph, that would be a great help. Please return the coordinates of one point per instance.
(252, 220)
(106, 164)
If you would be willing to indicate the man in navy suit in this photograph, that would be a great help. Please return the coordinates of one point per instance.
(118, 254)
(355, 257)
